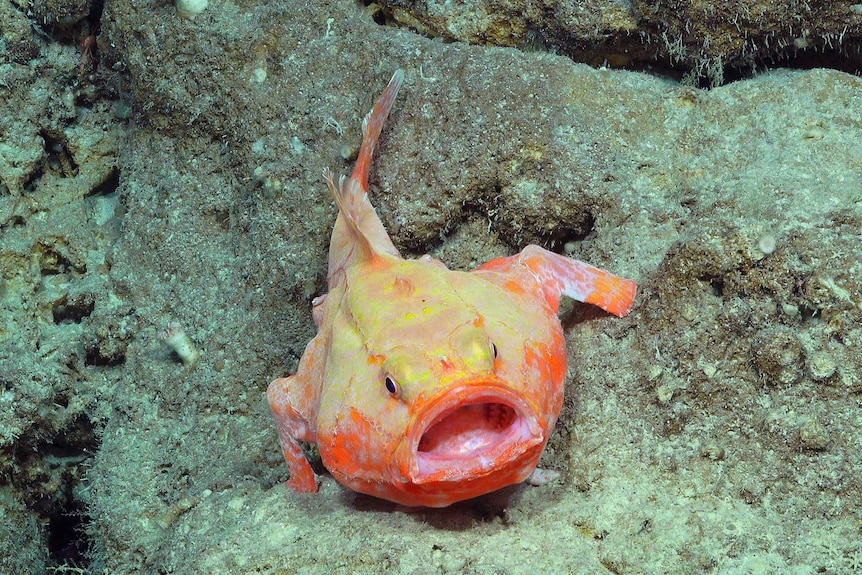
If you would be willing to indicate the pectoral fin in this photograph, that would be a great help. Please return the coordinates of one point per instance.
(292, 400)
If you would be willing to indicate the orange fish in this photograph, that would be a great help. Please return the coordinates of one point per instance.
(426, 386)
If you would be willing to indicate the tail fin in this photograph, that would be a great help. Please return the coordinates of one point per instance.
(372, 125)
(357, 222)
(558, 275)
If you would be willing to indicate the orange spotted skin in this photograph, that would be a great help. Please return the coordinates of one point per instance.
(427, 386)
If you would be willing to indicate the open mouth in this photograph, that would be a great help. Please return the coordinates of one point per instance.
(471, 431)
(467, 431)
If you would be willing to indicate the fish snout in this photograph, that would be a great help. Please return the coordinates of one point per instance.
(472, 433)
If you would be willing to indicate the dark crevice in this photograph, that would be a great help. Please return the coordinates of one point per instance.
(514, 230)
(102, 356)
(32, 180)
(50, 474)
(107, 347)
(67, 539)
(107, 187)
(74, 311)
(716, 284)
(52, 262)
(561, 236)
(648, 51)
(60, 160)
(15, 221)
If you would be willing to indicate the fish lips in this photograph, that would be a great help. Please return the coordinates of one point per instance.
(470, 431)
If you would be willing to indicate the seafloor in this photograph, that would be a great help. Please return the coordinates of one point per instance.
(174, 176)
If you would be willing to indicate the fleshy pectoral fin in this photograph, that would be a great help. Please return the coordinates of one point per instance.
(290, 426)
(288, 398)
(558, 275)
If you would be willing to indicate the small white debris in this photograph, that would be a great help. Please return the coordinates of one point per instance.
(766, 244)
(190, 8)
(541, 477)
(175, 338)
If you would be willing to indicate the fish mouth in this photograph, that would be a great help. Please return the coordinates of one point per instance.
(471, 431)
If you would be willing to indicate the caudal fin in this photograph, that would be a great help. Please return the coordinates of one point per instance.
(372, 125)
(357, 223)
(557, 275)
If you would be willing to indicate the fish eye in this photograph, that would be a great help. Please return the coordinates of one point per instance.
(494, 349)
(392, 386)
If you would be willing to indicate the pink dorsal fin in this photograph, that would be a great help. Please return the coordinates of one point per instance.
(372, 125)
(353, 207)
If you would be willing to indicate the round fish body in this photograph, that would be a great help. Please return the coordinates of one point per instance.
(439, 385)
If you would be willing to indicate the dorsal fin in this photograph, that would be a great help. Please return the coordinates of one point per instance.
(357, 223)
(353, 204)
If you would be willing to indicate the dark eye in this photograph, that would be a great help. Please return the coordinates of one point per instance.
(392, 386)
(494, 349)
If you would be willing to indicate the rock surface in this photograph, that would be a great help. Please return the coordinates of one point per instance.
(714, 428)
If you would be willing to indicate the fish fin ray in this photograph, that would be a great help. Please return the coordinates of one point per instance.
(352, 203)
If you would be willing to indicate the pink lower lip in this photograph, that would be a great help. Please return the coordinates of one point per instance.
(468, 432)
